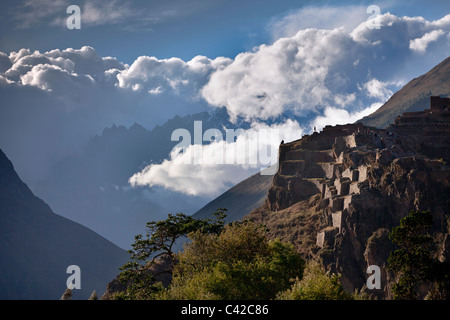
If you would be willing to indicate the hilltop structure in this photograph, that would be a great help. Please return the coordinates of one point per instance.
(351, 184)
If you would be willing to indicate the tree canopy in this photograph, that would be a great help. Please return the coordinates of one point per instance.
(412, 263)
(239, 263)
(159, 241)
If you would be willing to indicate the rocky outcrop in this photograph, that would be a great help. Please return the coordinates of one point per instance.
(366, 179)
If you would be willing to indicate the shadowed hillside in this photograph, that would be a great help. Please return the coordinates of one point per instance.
(414, 96)
(37, 246)
(240, 199)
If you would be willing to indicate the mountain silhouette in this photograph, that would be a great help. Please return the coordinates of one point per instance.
(240, 199)
(37, 246)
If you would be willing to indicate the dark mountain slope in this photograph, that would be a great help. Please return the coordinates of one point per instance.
(37, 246)
(240, 199)
(414, 96)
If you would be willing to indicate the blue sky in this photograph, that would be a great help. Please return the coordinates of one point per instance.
(168, 28)
(161, 28)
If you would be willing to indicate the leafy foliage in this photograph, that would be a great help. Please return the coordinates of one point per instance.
(239, 263)
(412, 261)
(159, 241)
(233, 262)
(316, 284)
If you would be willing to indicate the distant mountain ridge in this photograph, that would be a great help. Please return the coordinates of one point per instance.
(92, 187)
(37, 246)
(414, 96)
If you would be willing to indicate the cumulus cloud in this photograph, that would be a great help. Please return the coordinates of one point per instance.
(70, 69)
(45, 76)
(61, 98)
(170, 75)
(318, 68)
(291, 73)
(421, 44)
(334, 116)
(212, 168)
(337, 75)
(324, 17)
(378, 89)
(75, 62)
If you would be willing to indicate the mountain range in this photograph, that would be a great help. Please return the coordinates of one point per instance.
(92, 186)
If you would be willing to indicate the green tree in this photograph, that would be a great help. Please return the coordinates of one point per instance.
(412, 262)
(239, 263)
(159, 241)
(316, 284)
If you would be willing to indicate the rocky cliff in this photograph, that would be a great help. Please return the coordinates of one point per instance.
(338, 193)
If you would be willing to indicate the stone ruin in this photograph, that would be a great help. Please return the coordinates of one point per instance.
(340, 164)
(335, 162)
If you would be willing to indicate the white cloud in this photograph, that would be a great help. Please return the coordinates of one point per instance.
(127, 15)
(334, 116)
(338, 71)
(421, 44)
(443, 23)
(93, 13)
(212, 168)
(75, 93)
(54, 78)
(291, 73)
(169, 75)
(325, 17)
(84, 61)
(110, 12)
(32, 12)
(322, 68)
(378, 89)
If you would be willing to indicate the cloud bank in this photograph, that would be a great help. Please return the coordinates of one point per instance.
(341, 74)
(53, 102)
(212, 168)
(322, 67)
